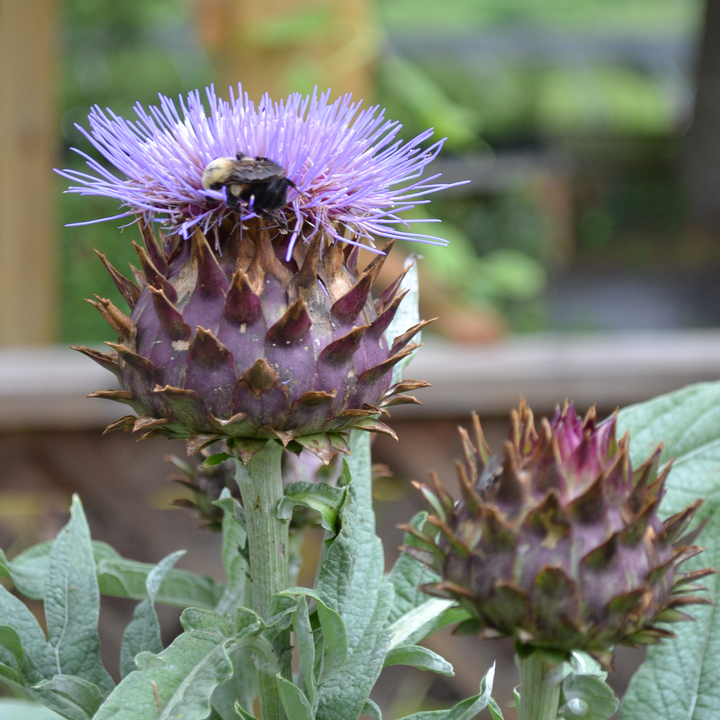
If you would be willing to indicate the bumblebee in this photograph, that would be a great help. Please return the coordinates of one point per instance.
(259, 182)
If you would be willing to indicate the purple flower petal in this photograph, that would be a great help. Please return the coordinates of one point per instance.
(348, 166)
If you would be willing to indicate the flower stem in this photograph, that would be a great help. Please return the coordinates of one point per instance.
(260, 483)
(539, 688)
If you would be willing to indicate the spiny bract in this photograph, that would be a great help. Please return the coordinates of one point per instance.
(559, 544)
(245, 345)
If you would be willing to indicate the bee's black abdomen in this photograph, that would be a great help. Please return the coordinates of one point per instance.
(259, 182)
(268, 196)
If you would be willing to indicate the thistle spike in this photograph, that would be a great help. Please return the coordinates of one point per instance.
(232, 337)
(306, 279)
(153, 277)
(152, 246)
(106, 360)
(137, 362)
(402, 340)
(388, 295)
(121, 323)
(292, 328)
(349, 306)
(169, 316)
(352, 258)
(208, 351)
(674, 526)
(242, 305)
(340, 351)
(260, 376)
(265, 263)
(128, 289)
(382, 322)
(211, 280)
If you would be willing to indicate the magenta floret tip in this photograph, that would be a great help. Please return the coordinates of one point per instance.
(349, 169)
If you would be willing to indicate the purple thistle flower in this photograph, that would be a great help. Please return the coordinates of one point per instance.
(350, 171)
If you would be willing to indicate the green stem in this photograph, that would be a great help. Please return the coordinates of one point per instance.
(539, 688)
(260, 483)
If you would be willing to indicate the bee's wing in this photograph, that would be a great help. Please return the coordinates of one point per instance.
(249, 171)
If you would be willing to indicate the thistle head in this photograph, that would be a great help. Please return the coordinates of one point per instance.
(250, 316)
(558, 542)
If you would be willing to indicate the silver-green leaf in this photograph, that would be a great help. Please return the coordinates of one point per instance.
(419, 657)
(680, 677)
(465, 710)
(72, 604)
(143, 632)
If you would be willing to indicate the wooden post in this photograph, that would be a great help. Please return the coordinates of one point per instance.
(29, 59)
(284, 46)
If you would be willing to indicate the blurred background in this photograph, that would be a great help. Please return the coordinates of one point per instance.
(583, 260)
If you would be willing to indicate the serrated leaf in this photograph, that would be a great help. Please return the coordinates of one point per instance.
(465, 710)
(583, 664)
(408, 574)
(680, 676)
(12, 678)
(293, 700)
(10, 643)
(306, 648)
(344, 695)
(234, 540)
(72, 604)
(351, 583)
(419, 657)
(335, 645)
(282, 606)
(244, 714)
(143, 632)
(433, 614)
(126, 579)
(28, 570)
(72, 697)
(324, 499)
(11, 709)
(184, 675)
(191, 700)
(241, 687)
(117, 577)
(688, 422)
(38, 662)
(348, 580)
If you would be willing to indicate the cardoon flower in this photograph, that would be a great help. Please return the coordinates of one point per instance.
(352, 175)
(251, 325)
(558, 543)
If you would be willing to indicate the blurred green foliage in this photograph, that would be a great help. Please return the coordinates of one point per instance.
(511, 97)
(641, 16)
(120, 53)
(115, 54)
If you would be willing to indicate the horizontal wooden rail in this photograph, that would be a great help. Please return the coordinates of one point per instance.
(47, 387)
